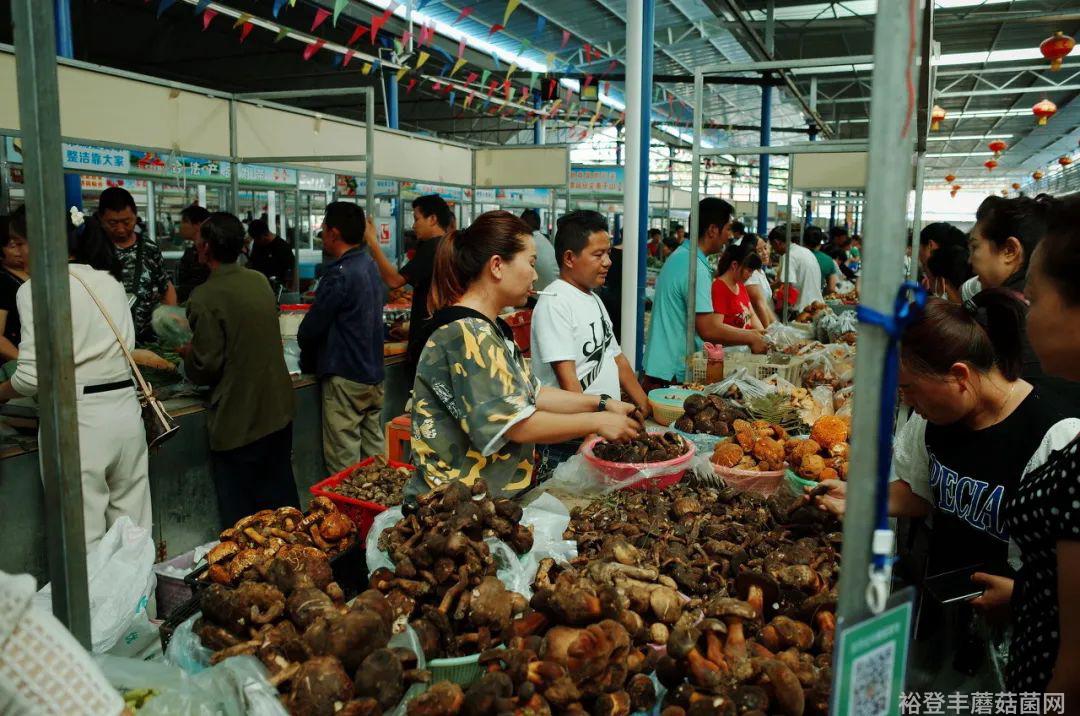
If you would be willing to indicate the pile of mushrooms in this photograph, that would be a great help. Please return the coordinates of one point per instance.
(444, 579)
(377, 482)
(255, 540)
(324, 657)
(757, 632)
(708, 414)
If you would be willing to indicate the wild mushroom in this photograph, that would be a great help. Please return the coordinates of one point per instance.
(759, 590)
(783, 632)
(682, 644)
(714, 631)
(734, 613)
(380, 677)
(613, 704)
(642, 693)
(318, 687)
(787, 692)
(443, 699)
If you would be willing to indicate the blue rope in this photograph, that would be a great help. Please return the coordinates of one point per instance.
(910, 301)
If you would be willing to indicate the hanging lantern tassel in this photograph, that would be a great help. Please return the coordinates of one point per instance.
(1055, 48)
(1044, 110)
(937, 116)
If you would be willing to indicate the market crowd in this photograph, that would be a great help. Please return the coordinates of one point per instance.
(990, 368)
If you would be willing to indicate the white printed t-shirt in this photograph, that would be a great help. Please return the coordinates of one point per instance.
(805, 274)
(574, 325)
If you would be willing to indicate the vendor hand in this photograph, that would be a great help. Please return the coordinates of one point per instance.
(618, 406)
(758, 344)
(616, 426)
(644, 411)
(835, 499)
(994, 602)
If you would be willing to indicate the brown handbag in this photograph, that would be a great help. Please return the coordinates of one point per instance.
(160, 426)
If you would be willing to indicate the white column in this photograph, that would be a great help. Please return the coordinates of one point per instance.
(631, 193)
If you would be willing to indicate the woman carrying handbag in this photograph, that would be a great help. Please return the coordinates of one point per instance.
(112, 439)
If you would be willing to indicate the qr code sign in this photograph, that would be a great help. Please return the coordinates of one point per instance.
(871, 678)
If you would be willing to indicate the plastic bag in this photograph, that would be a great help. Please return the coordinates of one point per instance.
(830, 327)
(782, 336)
(185, 650)
(843, 401)
(740, 387)
(235, 687)
(703, 442)
(830, 366)
(121, 582)
(171, 325)
(580, 478)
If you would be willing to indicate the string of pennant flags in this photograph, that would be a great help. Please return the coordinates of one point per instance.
(498, 95)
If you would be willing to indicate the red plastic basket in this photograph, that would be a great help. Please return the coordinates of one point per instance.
(520, 323)
(621, 471)
(362, 513)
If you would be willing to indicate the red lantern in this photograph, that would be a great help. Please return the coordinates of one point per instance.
(1036, 175)
(950, 178)
(937, 116)
(1065, 161)
(1044, 110)
(1016, 186)
(997, 147)
(990, 164)
(1056, 47)
(955, 188)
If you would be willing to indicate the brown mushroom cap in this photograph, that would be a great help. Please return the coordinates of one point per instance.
(713, 625)
(728, 607)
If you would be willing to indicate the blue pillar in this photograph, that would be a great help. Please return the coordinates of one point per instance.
(809, 205)
(65, 47)
(617, 228)
(391, 101)
(763, 162)
(648, 17)
(538, 126)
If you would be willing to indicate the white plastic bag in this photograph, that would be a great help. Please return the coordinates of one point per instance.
(121, 580)
(171, 325)
(236, 687)
(740, 387)
(781, 336)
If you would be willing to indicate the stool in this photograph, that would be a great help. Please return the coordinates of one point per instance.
(398, 438)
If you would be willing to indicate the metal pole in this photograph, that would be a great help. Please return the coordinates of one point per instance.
(896, 32)
(695, 219)
(786, 282)
(392, 105)
(642, 219)
(369, 149)
(58, 437)
(916, 219)
(234, 174)
(296, 240)
(634, 161)
(65, 47)
(538, 125)
(766, 128)
(151, 210)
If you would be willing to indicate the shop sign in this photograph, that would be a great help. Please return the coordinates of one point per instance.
(79, 157)
(176, 166)
(315, 181)
(871, 660)
(524, 197)
(602, 180)
(96, 182)
(411, 190)
(259, 174)
(348, 185)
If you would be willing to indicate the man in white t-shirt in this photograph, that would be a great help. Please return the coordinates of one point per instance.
(805, 274)
(573, 342)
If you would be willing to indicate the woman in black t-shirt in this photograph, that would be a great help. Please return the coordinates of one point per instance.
(1044, 514)
(14, 272)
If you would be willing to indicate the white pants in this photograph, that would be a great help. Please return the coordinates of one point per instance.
(113, 461)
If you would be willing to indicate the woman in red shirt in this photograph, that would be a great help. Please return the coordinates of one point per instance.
(730, 298)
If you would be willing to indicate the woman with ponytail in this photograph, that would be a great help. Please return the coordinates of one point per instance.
(477, 410)
(977, 429)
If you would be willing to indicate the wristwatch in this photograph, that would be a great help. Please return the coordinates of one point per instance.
(602, 406)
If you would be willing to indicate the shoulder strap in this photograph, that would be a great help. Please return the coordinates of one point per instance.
(143, 386)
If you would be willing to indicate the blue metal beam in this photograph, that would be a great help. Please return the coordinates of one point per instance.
(391, 101)
(763, 162)
(648, 22)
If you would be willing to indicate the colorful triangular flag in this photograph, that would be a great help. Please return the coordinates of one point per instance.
(471, 78)
(377, 21)
(495, 28)
(281, 33)
(465, 12)
(244, 17)
(366, 69)
(314, 47)
(357, 34)
(565, 38)
(532, 80)
(339, 5)
(208, 17)
(453, 96)
(245, 30)
(412, 83)
(406, 37)
(278, 4)
(457, 66)
(484, 77)
(461, 48)
(348, 56)
(541, 23)
(550, 61)
(164, 5)
(513, 66)
(320, 17)
(511, 5)
(421, 59)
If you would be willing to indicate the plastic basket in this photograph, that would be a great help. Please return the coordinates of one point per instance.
(671, 470)
(753, 482)
(697, 370)
(764, 367)
(796, 484)
(667, 403)
(361, 512)
(171, 591)
(461, 670)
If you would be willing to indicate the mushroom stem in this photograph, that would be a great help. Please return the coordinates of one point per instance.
(714, 651)
(735, 646)
(452, 593)
(703, 670)
(756, 598)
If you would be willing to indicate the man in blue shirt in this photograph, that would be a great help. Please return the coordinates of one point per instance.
(343, 332)
(665, 348)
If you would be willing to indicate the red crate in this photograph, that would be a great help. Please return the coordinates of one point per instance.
(360, 512)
